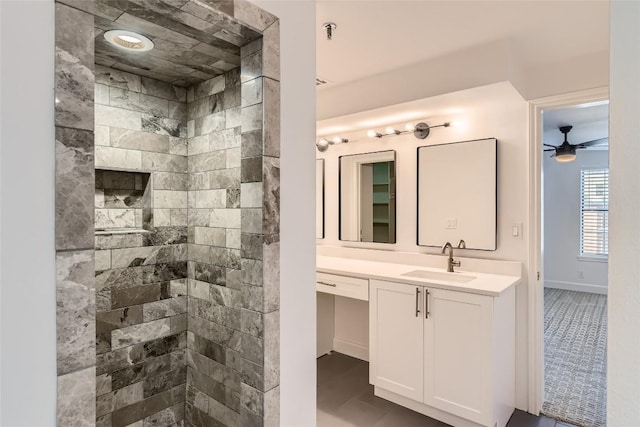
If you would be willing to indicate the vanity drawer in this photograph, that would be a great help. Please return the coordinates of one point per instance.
(345, 286)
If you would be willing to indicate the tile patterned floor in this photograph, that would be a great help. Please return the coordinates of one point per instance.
(345, 399)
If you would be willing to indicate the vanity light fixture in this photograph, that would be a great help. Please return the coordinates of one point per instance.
(129, 41)
(322, 144)
(420, 130)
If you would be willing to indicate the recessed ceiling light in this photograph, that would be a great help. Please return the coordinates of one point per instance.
(129, 40)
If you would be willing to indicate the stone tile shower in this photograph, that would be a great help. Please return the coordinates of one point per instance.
(167, 214)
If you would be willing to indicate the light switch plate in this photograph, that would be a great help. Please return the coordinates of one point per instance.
(516, 230)
(452, 223)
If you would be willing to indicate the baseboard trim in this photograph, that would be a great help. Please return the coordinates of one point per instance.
(351, 348)
(580, 287)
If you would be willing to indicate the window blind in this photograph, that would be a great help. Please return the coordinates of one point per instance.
(594, 212)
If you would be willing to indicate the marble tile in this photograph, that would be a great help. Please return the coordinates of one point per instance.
(210, 199)
(212, 161)
(233, 160)
(152, 161)
(227, 138)
(178, 146)
(271, 108)
(251, 195)
(251, 144)
(271, 272)
(115, 218)
(271, 195)
(251, 246)
(75, 193)
(251, 118)
(271, 52)
(211, 123)
(252, 271)
(138, 140)
(76, 398)
(272, 407)
(74, 76)
(226, 218)
(210, 236)
(272, 349)
(233, 117)
(101, 135)
(140, 333)
(177, 110)
(75, 313)
(251, 66)
(209, 87)
(225, 178)
(164, 308)
(163, 90)
(252, 16)
(169, 199)
(103, 260)
(251, 170)
(170, 181)
(118, 117)
(117, 78)
(252, 399)
(252, 220)
(163, 126)
(251, 92)
(101, 95)
(251, 48)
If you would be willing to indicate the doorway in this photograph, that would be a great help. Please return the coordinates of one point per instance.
(573, 250)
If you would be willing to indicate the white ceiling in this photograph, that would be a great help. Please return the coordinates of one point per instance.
(377, 36)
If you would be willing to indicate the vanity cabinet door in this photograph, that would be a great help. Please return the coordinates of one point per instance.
(396, 333)
(457, 354)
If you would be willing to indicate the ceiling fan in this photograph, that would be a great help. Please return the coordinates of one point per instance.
(566, 152)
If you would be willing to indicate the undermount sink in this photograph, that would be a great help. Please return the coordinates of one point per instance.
(445, 277)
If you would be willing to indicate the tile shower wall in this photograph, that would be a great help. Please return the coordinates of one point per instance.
(214, 337)
(141, 182)
(138, 282)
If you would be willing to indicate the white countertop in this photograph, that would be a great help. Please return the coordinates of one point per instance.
(483, 284)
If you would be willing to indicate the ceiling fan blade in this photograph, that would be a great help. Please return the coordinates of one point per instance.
(550, 149)
(549, 145)
(595, 143)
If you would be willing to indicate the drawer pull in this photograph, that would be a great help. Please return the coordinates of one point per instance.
(333, 285)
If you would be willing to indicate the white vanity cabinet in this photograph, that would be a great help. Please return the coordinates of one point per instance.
(447, 354)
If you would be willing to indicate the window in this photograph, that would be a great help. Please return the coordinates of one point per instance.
(594, 212)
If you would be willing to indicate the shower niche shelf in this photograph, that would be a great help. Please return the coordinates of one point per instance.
(122, 202)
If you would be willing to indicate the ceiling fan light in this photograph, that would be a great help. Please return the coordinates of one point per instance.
(566, 157)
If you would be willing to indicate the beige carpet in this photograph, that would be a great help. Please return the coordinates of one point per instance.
(575, 335)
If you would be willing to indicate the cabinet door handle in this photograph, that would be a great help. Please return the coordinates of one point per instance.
(417, 302)
(328, 284)
(426, 303)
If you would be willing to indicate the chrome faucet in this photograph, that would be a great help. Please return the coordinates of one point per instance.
(450, 261)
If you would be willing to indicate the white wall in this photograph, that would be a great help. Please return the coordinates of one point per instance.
(27, 257)
(297, 209)
(495, 110)
(561, 244)
(623, 369)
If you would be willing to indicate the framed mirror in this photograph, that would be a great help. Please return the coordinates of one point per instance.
(319, 198)
(457, 199)
(368, 197)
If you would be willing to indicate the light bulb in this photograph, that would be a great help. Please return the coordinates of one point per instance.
(337, 140)
(372, 133)
(409, 127)
(389, 130)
